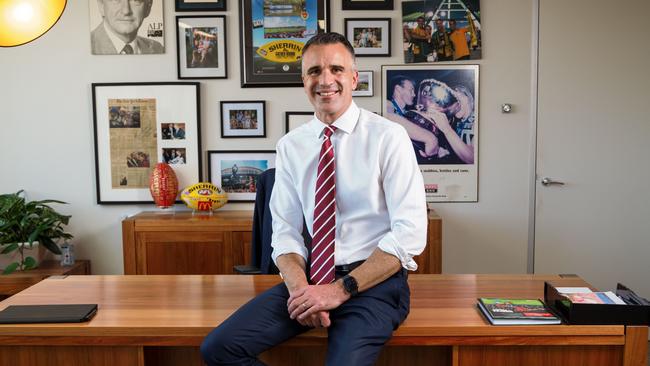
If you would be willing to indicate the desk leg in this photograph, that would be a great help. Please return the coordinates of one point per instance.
(636, 346)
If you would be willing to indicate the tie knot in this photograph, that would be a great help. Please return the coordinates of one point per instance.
(329, 130)
(127, 49)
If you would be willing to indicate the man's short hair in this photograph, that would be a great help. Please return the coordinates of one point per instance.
(395, 81)
(329, 38)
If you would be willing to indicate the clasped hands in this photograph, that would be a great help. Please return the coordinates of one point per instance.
(310, 305)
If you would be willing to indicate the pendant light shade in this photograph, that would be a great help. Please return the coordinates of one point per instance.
(22, 21)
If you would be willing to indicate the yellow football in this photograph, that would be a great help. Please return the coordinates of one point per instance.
(204, 197)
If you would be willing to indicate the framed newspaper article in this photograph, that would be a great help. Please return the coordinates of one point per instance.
(137, 125)
(438, 106)
(273, 33)
(237, 172)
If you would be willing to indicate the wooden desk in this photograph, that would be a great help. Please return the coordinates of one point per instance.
(15, 282)
(161, 320)
(166, 243)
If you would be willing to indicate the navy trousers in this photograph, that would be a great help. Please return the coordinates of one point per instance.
(360, 326)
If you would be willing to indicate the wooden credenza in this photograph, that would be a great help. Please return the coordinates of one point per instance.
(183, 243)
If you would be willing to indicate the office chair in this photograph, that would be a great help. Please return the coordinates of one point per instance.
(261, 262)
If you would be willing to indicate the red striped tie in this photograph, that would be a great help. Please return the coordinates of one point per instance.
(322, 253)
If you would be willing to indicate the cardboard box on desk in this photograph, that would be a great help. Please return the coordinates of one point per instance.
(635, 312)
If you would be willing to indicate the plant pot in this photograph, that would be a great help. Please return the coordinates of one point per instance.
(36, 251)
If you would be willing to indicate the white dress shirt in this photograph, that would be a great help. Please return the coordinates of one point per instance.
(380, 198)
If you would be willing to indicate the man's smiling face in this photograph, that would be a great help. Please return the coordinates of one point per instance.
(329, 77)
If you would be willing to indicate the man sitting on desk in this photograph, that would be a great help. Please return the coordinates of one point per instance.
(366, 228)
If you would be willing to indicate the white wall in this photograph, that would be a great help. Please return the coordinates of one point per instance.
(46, 141)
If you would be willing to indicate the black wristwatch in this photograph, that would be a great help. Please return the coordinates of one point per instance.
(350, 285)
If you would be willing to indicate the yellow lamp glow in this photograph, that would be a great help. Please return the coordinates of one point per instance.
(22, 21)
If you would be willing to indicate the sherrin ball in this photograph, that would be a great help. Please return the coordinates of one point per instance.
(204, 197)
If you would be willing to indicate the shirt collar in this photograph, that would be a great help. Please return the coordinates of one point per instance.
(346, 122)
(118, 43)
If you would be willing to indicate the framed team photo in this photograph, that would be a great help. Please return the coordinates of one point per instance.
(237, 172)
(243, 119)
(438, 106)
(273, 33)
(201, 51)
(370, 37)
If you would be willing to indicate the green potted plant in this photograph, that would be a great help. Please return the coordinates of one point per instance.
(24, 223)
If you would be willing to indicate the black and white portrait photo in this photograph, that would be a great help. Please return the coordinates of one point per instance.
(126, 27)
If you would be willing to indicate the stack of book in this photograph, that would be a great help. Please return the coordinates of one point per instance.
(516, 312)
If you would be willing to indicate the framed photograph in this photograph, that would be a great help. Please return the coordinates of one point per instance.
(294, 119)
(236, 172)
(370, 37)
(438, 106)
(273, 33)
(107, 28)
(435, 32)
(364, 85)
(243, 119)
(201, 51)
(137, 125)
(367, 4)
(200, 5)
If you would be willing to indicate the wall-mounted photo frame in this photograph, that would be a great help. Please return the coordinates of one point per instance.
(201, 51)
(272, 38)
(443, 127)
(107, 21)
(137, 125)
(243, 118)
(237, 172)
(370, 37)
(368, 5)
(200, 5)
(294, 119)
(435, 32)
(365, 85)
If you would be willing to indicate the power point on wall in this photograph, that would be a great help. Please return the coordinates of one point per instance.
(506, 108)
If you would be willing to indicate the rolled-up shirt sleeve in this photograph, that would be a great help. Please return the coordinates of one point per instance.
(405, 200)
(286, 211)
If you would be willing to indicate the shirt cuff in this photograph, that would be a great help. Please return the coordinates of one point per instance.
(391, 245)
(287, 247)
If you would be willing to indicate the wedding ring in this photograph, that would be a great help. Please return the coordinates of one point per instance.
(304, 304)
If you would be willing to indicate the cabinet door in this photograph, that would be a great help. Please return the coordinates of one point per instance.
(184, 253)
(241, 247)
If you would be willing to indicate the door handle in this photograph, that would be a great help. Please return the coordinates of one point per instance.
(550, 182)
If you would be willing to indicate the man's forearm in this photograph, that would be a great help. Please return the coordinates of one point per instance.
(292, 267)
(378, 267)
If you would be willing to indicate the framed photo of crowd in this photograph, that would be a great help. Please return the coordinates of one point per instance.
(137, 125)
(237, 172)
(201, 47)
(370, 37)
(438, 104)
(200, 5)
(243, 119)
(273, 33)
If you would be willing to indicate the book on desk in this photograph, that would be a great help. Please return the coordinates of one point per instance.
(516, 312)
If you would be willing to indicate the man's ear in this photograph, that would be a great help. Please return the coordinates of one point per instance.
(355, 79)
(149, 4)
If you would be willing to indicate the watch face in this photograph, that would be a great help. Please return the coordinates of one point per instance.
(350, 285)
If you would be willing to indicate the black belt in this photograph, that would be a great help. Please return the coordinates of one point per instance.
(347, 268)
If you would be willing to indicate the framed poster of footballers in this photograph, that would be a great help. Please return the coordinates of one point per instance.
(273, 33)
(438, 106)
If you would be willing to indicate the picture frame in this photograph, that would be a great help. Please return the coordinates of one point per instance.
(370, 37)
(367, 5)
(365, 85)
(271, 56)
(137, 125)
(240, 184)
(243, 119)
(295, 119)
(201, 5)
(445, 94)
(201, 47)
